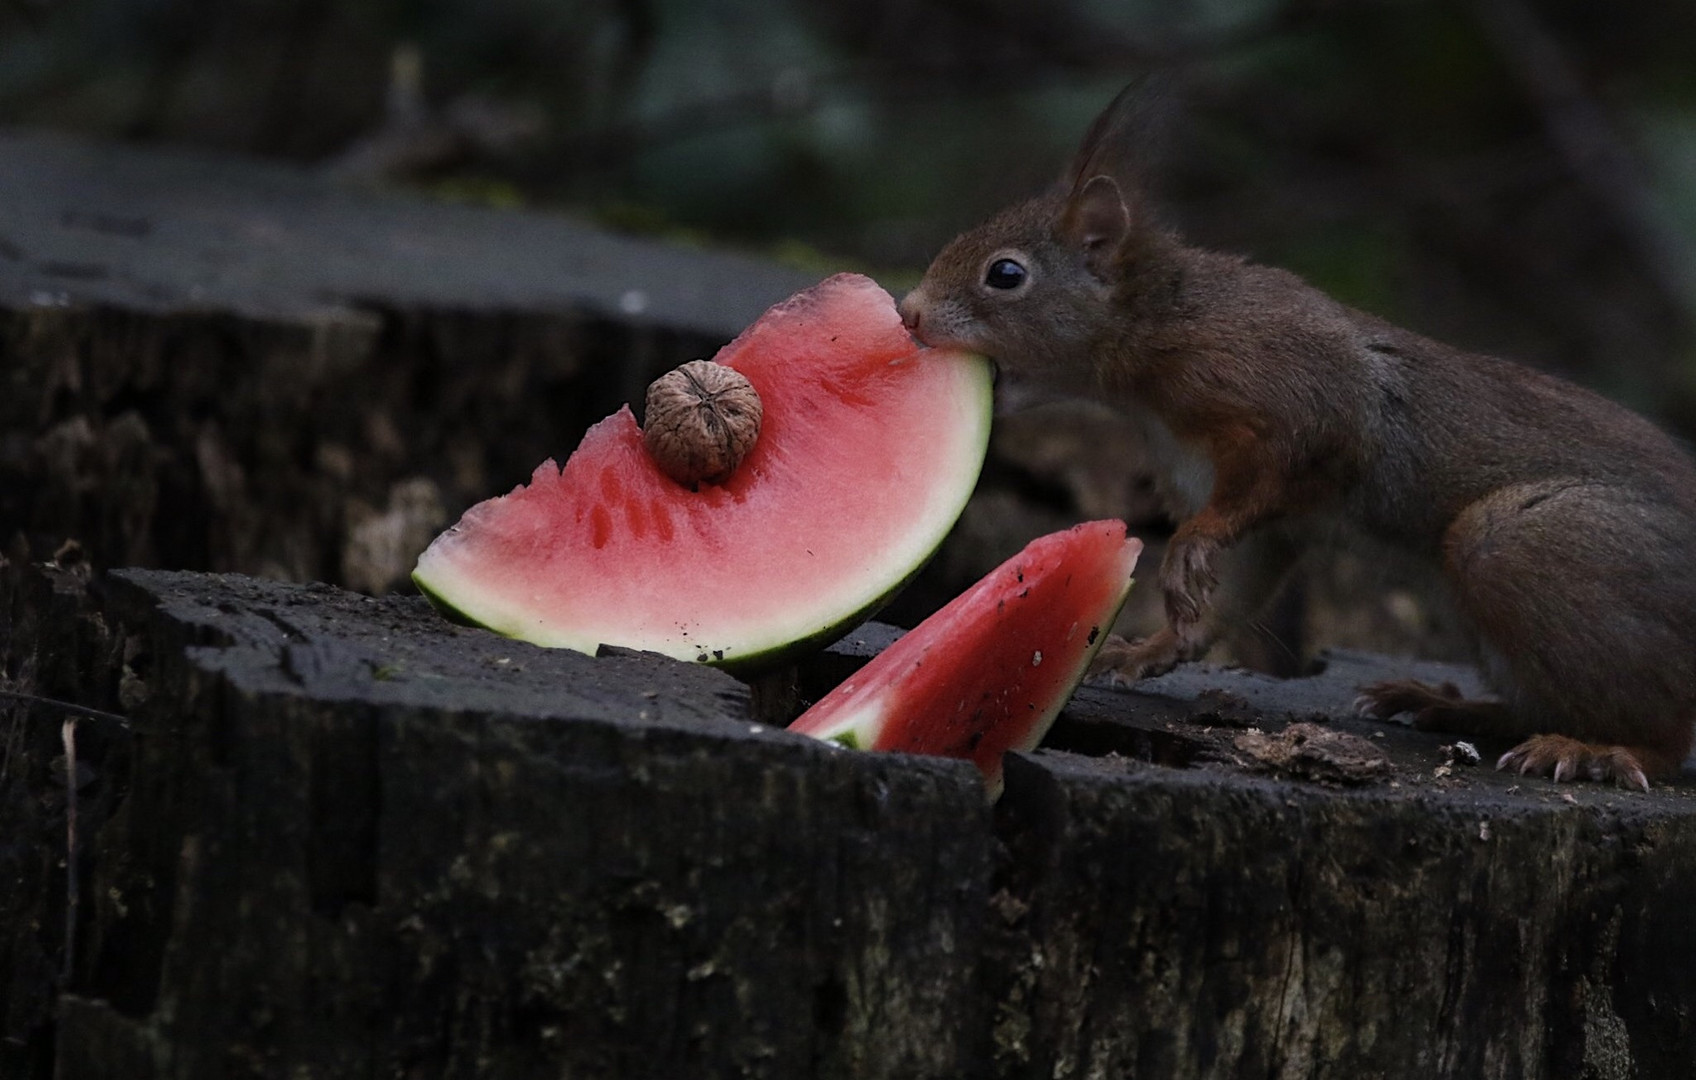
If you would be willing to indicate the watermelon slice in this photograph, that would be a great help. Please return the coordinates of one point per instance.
(990, 671)
(869, 447)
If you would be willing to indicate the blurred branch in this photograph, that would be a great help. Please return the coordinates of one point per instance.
(791, 93)
(1593, 149)
(1485, 223)
(415, 139)
(1011, 40)
(66, 706)
(1033, 47)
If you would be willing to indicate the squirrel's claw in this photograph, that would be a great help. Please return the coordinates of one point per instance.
(1563, 759)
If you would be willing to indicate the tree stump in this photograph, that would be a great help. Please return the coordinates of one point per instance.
(345, 837)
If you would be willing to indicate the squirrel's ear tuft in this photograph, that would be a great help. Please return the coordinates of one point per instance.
(1128, 138)
(1104, 144)
(1108, 178)
(1096, 220)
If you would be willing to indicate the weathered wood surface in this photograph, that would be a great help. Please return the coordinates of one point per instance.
(359, 841)
(172, 231)
(347, 838)
(212, 363)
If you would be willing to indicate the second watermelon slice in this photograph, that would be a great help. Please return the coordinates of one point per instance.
(991, 670)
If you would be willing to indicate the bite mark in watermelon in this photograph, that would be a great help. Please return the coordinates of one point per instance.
(991, 670)
(870, 445)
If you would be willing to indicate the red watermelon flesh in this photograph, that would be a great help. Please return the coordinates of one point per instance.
(990, 671)
(869, 448)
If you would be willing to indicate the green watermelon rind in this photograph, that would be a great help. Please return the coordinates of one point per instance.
(758, 657)
(442, 604)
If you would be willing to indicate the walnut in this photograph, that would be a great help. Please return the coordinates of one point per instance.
(702, 420)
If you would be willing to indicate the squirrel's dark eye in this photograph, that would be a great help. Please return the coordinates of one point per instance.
(1004, 274)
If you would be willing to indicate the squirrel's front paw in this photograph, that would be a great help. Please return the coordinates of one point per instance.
(1121, 663)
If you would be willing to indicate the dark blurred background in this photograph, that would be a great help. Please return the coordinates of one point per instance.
(1517, 177)
(1509, 176)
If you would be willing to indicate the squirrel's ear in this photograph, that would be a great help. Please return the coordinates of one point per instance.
(1096, 220)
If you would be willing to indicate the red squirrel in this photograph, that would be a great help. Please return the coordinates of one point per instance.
(1564, 524)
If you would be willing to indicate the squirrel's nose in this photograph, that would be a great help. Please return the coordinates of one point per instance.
(909, 314)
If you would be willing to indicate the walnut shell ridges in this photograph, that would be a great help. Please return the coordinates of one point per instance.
(702, 420)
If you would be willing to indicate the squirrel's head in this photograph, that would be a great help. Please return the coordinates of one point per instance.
(1032, 289)
(1036, 287)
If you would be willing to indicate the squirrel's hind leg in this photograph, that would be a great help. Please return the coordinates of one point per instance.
(1559, 757)
(1585, 601)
